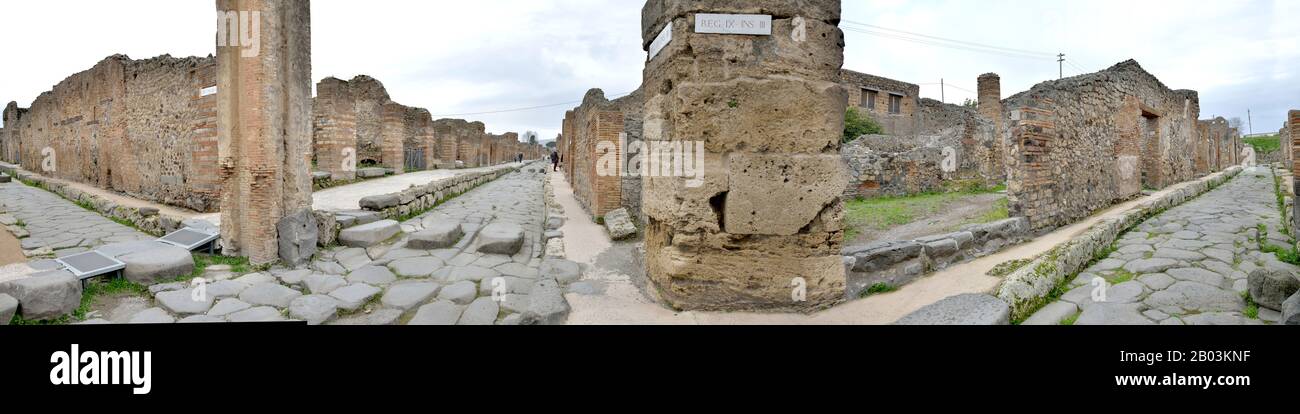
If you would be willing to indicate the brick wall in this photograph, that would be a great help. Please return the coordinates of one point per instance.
(143, 128)
(905, 121)
(359, 114)
(597, 185)
(1082, 144)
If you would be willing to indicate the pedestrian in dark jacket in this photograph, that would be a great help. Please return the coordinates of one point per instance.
(555, 161)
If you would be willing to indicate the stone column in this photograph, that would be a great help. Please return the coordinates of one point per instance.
(264, 126)
(762, 227)
(393, 149)
(989, 87)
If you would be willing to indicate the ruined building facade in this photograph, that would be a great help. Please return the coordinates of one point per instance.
(601, 141)
(1081, 144)
(923, 147)
(144, 128)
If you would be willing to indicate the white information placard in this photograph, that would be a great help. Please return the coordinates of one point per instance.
(211, 90)
(745, 24)
(661, 41)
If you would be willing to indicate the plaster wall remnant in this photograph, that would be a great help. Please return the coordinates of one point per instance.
(764, 228)
(1083, 143)
(264, 129)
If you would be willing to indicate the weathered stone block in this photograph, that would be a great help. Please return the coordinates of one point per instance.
(157, 263)
(805, 185)
(500, 238)
(46, 295)
(440, 235)
(367, 235)
(619, 224)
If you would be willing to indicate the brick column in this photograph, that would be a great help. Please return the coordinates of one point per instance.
(989, 87)
(335, 114)
(763, 227)
(1292, 143)
(393, 149)
(264, 132)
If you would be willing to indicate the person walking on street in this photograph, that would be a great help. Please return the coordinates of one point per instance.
(555, 161)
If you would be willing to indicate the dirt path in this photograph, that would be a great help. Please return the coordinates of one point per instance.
(952, 216)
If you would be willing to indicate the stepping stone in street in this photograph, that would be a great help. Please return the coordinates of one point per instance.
(367, 235)
(500, 238)
(269, 294)
(158, 263)
(45, 295)
(438, 313)
(440, 235)
(314, 309)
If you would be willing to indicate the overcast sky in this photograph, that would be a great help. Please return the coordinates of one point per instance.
(461, 57)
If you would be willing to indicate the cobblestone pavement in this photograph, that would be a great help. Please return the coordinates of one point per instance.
(391, 284)
(58, 226)
(1186, 266)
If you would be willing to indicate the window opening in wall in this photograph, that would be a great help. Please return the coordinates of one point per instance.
(868, 99)
(895, 104)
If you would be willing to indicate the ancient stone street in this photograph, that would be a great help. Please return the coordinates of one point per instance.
(1186, 266)
(58, 226)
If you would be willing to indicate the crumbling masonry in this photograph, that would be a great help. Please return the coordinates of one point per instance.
(764, 228)
(600, 140)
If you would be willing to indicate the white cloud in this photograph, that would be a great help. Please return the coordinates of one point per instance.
(460, 57)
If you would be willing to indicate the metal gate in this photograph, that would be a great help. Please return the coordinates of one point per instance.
(415, 160)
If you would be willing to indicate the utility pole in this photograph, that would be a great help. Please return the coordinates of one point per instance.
(1250, 123)
(1060, 66)
(942, 92)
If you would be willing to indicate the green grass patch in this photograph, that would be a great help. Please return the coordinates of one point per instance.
(879, 288)
(1120, 276)
(1005, 268)
(94, 289)
(1265, 144)
(1252, 308)
(881, 213)
(1071, 319)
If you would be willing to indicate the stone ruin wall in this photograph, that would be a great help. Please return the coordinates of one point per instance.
(770, 113)
(597, 186)
(904, 123)
(633, 108)
(10, 144)
(359, 115)
(1082, 144)
(143, 128)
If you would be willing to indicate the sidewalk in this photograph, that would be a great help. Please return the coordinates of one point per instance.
(624, 303)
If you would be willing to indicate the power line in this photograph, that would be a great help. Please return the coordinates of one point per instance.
(940, 44)
(980, 45)
(530, 108)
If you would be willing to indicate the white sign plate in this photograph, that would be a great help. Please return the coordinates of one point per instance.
(211, 90)
(661, 41)
(745, 24)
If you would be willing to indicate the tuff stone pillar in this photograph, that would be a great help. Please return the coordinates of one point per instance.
(264, 127)
(762, 227)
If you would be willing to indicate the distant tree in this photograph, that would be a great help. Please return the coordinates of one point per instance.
(857, 125)
(550, 144)
(531, 137)
(970, 103)
(1235, 123)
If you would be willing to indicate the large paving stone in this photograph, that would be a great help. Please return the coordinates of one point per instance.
(157, 264)
(314, 309)
(258, 314)
(1194, 274)
(367, 235)
(228, 306)
(372, 275)
(8, 307)
(965, 309)
(1153, 265)
(1052, 314)
(353, 258)
(546, 304)
(269, 294)
(323, 284)
(353, 297)
(438, 313)
(152, 316)
(201, 319)
(1291, 311)
(1193, 296)
(460, 293)
(483, 311)
(1113, 314)
(564, 271)
(1270, 287)
(407, 296)
(185, 301)
(416, 266)
(45, 295)
(440, 235)
(500, 238)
